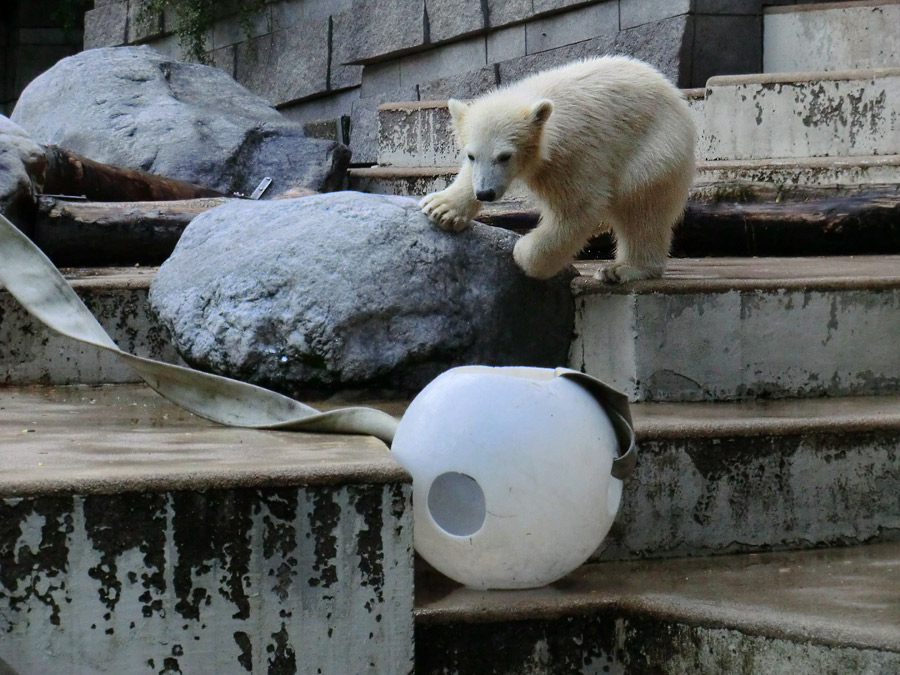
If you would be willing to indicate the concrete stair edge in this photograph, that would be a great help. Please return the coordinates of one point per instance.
(95, 451)
(859, 172)
(781, 115)
(156, 537)
(839, 36)
(832, 301)
(811, 462)
(742, 613)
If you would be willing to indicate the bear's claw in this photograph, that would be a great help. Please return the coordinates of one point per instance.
(442, 214)
(619, 273)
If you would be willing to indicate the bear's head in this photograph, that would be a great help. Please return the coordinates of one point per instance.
(501, 139)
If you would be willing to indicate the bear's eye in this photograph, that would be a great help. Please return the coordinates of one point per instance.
(471, 157)
(504, 156)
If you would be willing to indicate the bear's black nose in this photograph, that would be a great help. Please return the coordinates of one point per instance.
(485, 195)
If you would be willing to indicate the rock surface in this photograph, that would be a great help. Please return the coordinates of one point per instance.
(134, 107)
(347, 289)
(17, 152)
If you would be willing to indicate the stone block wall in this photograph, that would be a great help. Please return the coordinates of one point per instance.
(31, 40)
(334, 59)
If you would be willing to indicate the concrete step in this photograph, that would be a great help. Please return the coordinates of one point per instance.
(827, 173)
(406, 181)
(722, 179)
(760, 475)
(719, 478)
(416, 133)
(418, 181)
(30, 353)
(303, 545)
(835, 114)
(712, 329)
(849, 114)
(831, 36)
(744, 328)
(833, 611)
(136, 536)
(420, 133)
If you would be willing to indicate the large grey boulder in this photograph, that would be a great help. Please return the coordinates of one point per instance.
(348, 289)
(134, 107)
(20, 157)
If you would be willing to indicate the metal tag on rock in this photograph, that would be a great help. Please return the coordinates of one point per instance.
(261, 188)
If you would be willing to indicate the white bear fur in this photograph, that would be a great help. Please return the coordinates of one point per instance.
(604, 143)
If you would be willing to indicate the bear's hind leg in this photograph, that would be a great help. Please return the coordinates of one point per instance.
(642, 225)
(637, 257)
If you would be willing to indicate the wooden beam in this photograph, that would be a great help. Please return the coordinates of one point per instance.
(86, 234)
(67, 173)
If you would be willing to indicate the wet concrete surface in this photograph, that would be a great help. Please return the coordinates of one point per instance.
(682, 275)
(117, 438)
(692, 275)
(839, 596)
(710, 419)
(127, 434)
(782, 416)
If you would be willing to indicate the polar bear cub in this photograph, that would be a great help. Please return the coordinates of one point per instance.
(604, 143)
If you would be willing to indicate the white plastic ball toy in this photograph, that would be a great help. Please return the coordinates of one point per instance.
(512, 470)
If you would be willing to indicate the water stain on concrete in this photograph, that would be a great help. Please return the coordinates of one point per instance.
(114, 528)
(212, 533)
(323, 521)
(33, 568)
(368, 542)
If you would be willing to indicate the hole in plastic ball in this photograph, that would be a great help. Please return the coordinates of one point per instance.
(456, 502)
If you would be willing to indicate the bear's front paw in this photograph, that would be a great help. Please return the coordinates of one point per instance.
(532, 262)
(619, 273)
(444, 212)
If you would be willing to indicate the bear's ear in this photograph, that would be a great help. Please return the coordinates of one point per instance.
(540, 112)
(458, 110)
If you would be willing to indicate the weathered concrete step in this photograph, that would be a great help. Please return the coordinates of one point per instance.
(739, 328)
(831, 36)
(416, 133)
(712, 329)
(832, 611)
(834, 114)
(405, 181)
(864, 172)
(138, 537)
(416, 182)
(30, 353)
(760, 475)
(850, 114)
(714, 478)
(420, 133)
(726, 178)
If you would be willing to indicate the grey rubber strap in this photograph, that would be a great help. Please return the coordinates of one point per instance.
(36, 283)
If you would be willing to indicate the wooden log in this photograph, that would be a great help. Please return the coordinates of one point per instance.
(852, 224)
(744, 192)
(88, 234)
(91, 233)
(67, 173)
(816, 223)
